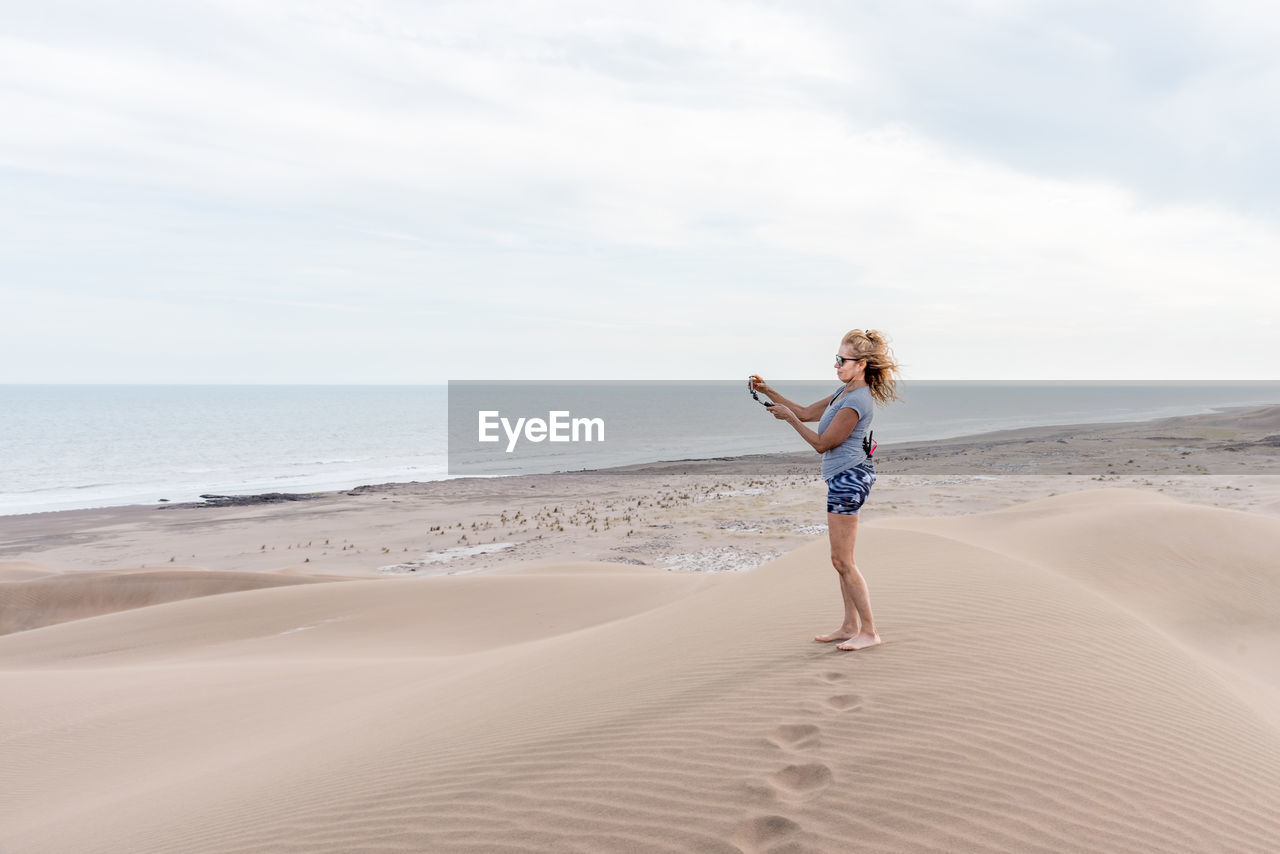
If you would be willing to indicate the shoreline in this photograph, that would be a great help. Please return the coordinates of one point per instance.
(897, 458)
(703, 515)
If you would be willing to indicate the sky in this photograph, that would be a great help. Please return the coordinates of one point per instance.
(387, 192)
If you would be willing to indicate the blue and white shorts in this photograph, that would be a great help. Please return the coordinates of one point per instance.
(846, 490)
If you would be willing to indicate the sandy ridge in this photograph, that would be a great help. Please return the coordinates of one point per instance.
(52, 597)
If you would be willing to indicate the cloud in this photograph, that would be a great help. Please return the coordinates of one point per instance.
(1014, 190)
(1166, 99)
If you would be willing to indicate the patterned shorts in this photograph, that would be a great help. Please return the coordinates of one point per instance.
(847, 489)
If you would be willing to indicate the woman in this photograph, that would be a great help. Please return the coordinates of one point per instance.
(868, 374)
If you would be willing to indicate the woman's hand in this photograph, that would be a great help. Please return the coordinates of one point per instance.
(758, 383)
(782, 413)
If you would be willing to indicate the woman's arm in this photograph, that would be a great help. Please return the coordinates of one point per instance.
(812, 412)
(840, 428)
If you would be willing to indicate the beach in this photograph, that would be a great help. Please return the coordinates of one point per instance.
(1080, 654)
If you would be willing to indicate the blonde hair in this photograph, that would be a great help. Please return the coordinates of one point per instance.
(881, 371)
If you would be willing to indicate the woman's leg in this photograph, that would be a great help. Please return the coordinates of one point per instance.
(842, 530)
(858, 630)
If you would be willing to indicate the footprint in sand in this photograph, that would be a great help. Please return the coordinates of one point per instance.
(761, 795)
(795, 735)
(802, 779)
(764, 832)
(833, 676)
(845, 703)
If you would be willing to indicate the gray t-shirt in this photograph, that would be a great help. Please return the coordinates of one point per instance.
(849, 452)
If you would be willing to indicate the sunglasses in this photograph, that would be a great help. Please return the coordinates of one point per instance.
(840, 360)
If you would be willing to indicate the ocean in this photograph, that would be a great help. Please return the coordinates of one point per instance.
(66, 446)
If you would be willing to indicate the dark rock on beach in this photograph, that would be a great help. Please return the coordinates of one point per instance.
(244, 500)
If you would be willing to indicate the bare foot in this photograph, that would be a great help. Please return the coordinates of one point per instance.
(860, 641)
(837, 635)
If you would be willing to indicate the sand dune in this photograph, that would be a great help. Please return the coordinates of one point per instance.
(33, 597)
(24, 570)
(1032, 695)
(359, 619)
(1208, 577)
